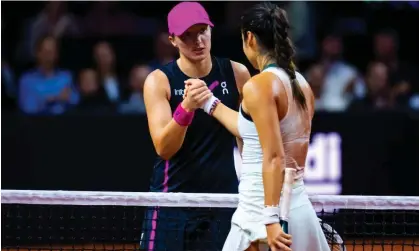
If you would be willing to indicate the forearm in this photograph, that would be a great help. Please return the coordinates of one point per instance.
(273, 178)
(228, 118)
(173, 134)
(170, 140)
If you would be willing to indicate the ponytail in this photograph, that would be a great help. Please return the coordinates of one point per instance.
(284, 52)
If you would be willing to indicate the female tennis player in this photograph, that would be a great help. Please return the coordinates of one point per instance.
(195, 152)
(274, 122)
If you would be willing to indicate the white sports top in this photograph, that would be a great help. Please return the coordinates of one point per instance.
(295, 132)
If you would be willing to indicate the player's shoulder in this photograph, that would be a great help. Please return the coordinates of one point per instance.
(239, 67)
(156, 80)
(261, 84)
(241, 73)
(156, 75)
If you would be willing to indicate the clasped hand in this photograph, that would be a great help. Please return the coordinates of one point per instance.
(195, 95)
(278, 240)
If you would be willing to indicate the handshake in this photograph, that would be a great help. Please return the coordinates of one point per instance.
(197, 95)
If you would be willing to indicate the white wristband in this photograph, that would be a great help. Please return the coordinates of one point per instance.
(207, 105)
(270, 215)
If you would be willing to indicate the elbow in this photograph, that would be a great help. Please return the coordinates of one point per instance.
(275, 161)
(164, 151)
(163, 154)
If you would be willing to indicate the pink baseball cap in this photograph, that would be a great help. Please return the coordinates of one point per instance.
(184, 15)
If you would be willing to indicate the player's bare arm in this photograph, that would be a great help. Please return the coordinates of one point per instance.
(166, 133)
(260, 101)
(242, 75)
(226, 116)
(260, 98)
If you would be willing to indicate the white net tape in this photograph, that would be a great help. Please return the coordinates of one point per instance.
(325, 202)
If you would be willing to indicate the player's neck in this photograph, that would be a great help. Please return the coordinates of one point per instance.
(195, 69)
(263, 61)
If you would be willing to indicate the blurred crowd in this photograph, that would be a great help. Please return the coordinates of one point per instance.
(47, 89)
(386, 83)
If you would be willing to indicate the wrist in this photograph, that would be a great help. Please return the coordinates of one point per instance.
(270, 215)
(182, 116)
(185, 107)
(210, 104)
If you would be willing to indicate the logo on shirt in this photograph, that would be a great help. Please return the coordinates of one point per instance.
(179, 92)
(224, 86)
(217, 83)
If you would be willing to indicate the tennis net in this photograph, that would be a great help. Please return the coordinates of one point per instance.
(74, 220)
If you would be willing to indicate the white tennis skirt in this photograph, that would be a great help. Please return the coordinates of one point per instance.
(303, 225)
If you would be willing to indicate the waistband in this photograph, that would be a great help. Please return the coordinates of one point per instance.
(298, 183)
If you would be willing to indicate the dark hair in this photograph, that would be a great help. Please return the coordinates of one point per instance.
(270, 26)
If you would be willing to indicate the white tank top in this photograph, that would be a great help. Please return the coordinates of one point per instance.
(295, 131)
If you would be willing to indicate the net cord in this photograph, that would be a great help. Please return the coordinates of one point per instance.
(95, 198)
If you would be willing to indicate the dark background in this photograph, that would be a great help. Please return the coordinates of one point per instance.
(379, 152)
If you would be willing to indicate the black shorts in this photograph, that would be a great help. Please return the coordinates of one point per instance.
(182, 229)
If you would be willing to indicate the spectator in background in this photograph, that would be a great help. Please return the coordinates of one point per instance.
(379, 95)
(110, 86)
(164, 51)
(90, 100)
(135, 103)
(53, 20)
(403, 77)
(46, 89)
(340, 78)
(315, 78)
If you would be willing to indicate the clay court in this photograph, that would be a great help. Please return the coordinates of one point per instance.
(360, 246)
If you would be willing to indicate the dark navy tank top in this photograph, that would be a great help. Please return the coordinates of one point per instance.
(205, 162)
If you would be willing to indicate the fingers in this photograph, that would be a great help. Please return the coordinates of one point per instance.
(284, 247)
(278, 246)
(205, 96)
(284, 240)
(202, 97)
(286, 236)
(281, 243)
(185, 91)
(194, 83)
(195, 92)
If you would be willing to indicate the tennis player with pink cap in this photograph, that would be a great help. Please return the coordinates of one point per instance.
(195, 151)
